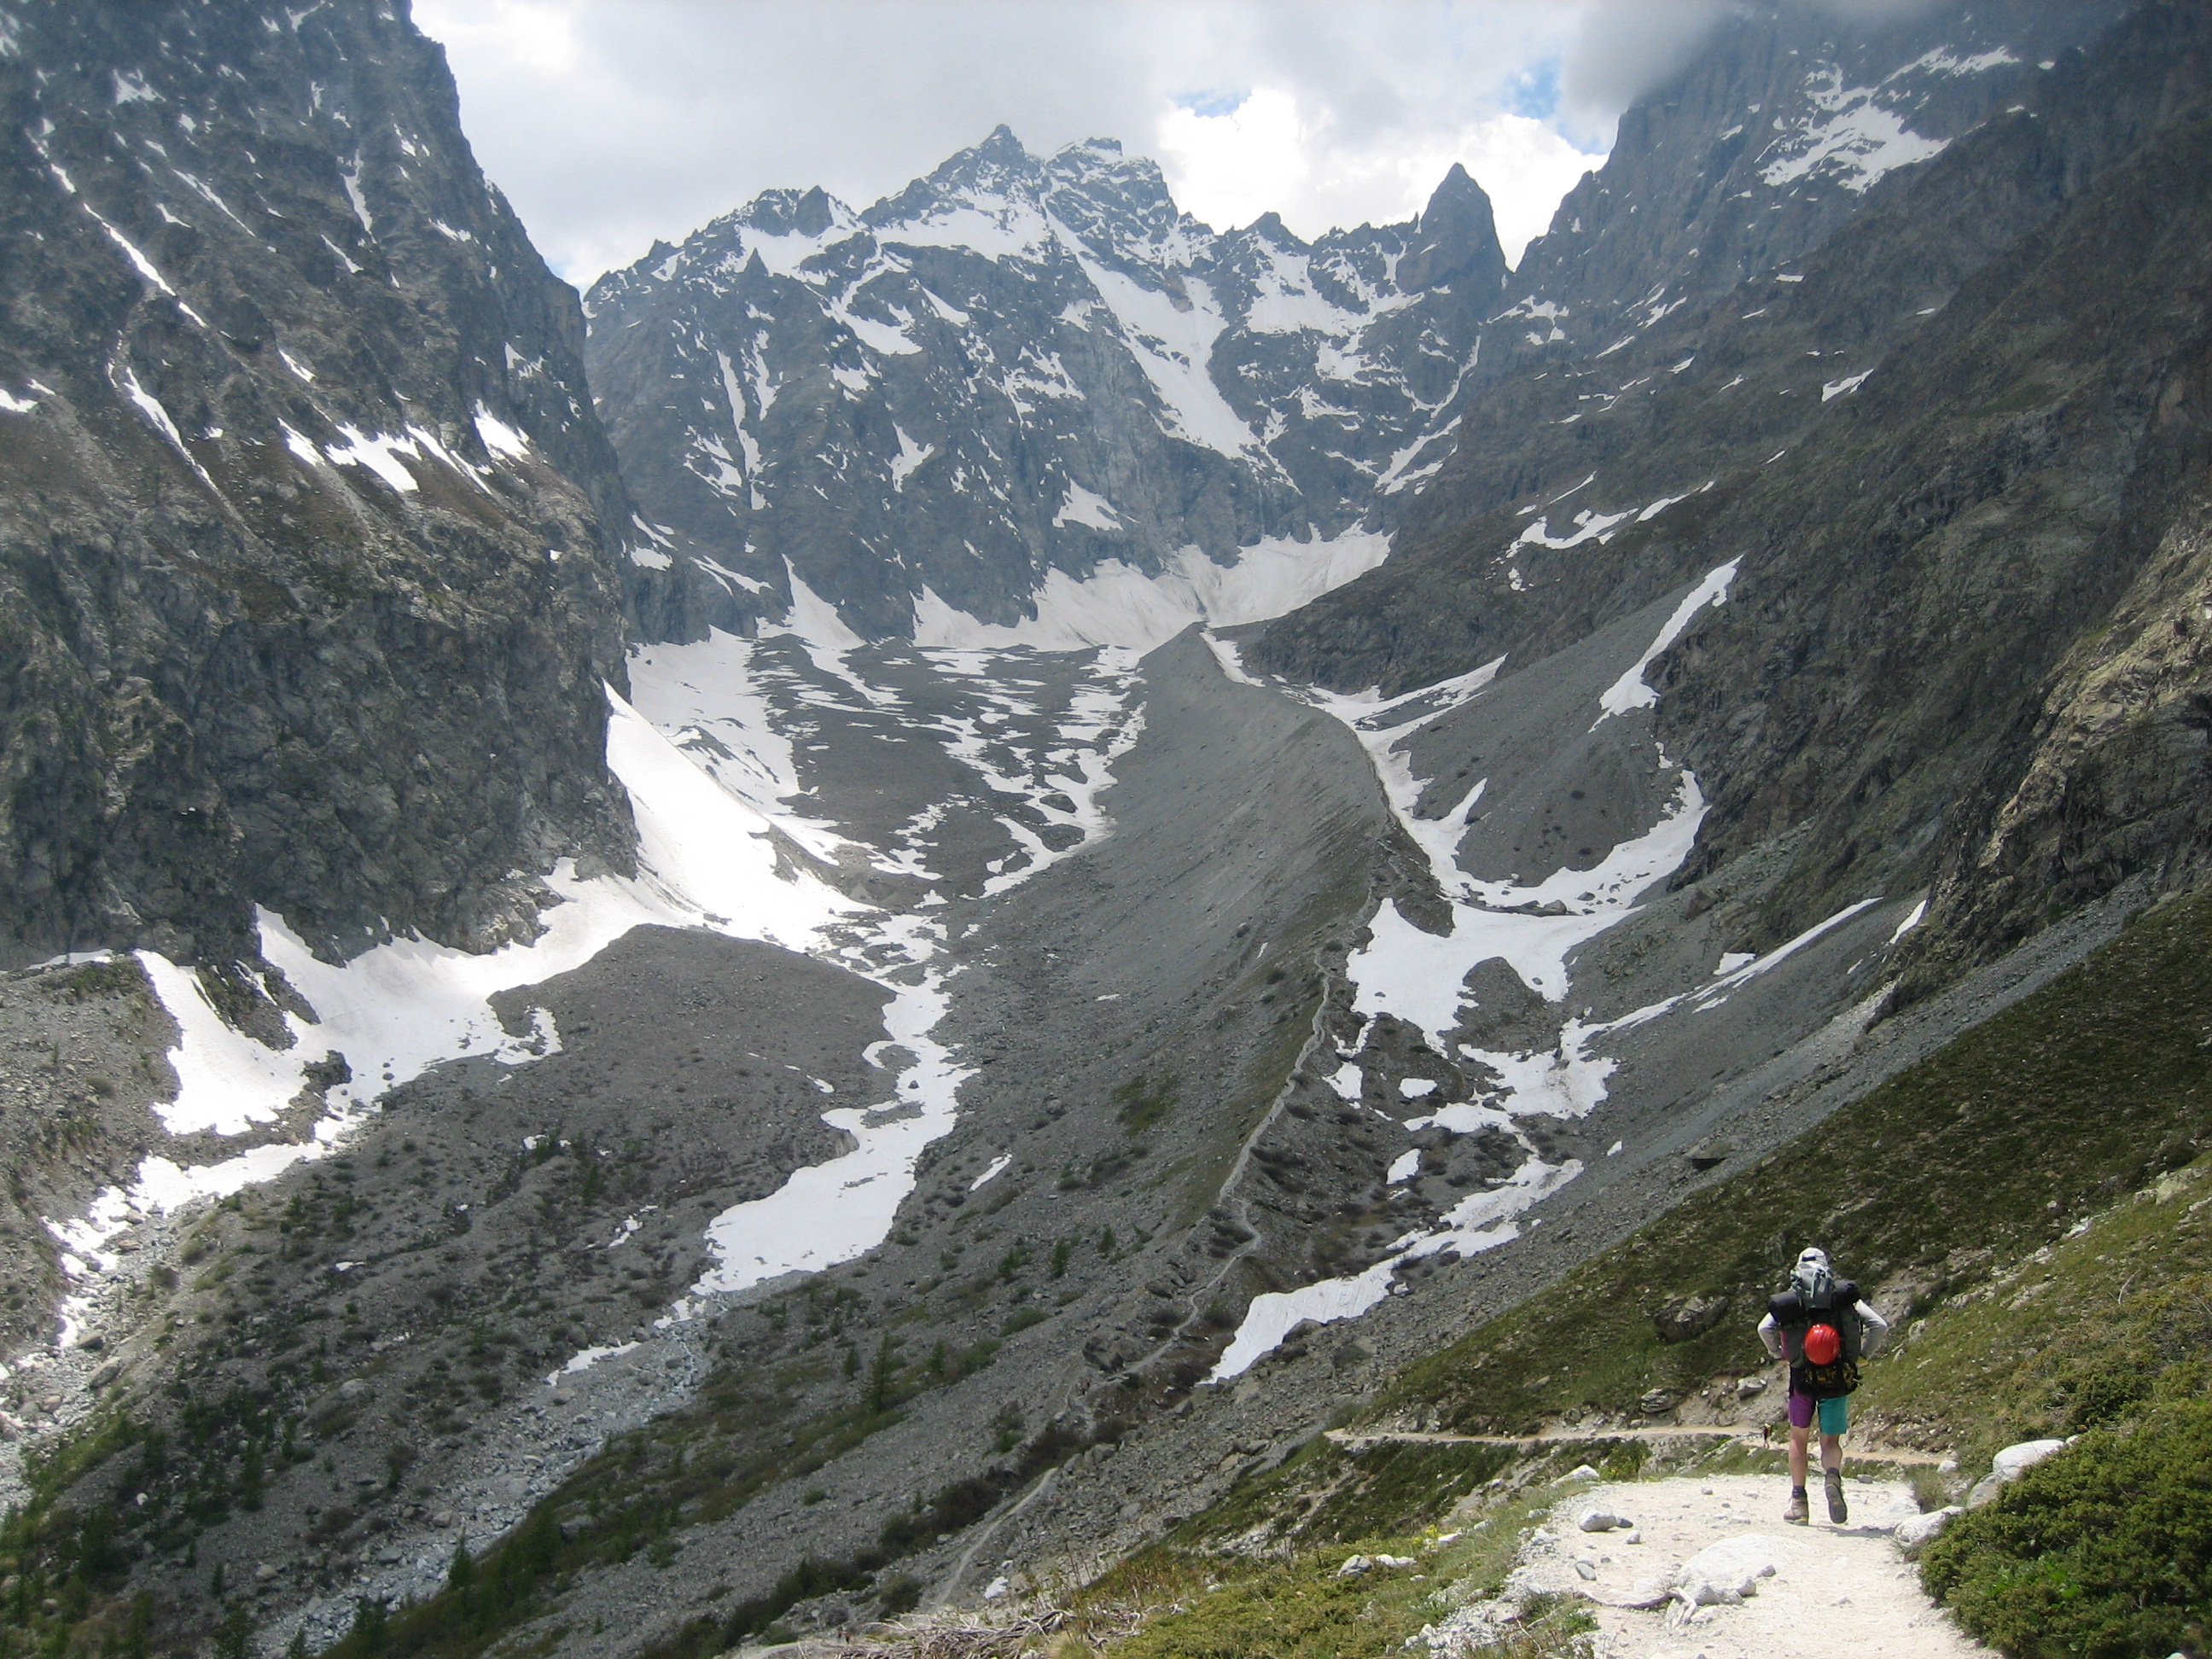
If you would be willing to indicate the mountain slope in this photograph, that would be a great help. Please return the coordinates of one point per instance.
(1991, 344)
(1025, 1084)
(1030, 394)
(308, 598)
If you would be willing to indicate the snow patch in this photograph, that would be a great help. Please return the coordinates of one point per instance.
(1854, 139)
(1083, 507)
(1118, 603)
(1630, 691)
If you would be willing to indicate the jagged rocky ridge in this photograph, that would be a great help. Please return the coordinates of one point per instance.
(1975, 388)
(1371, 1015)
(308, 599)
(1023, 391)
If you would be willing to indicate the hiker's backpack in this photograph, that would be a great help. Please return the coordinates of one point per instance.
(1797, 1311)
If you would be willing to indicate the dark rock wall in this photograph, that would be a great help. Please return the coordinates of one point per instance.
(1745, 161)
(1943, 445)
(308, 599)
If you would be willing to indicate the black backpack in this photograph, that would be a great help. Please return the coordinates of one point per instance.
(1794, 1314)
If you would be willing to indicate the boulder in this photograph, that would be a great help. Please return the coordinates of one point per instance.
(1723, 1573)
(1680, 1320)
(2015, 1461)
(1916, 1530)
(2008, 1465)
(1602, 1521)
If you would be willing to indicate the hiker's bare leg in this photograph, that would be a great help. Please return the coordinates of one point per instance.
(1799, 1439)
(1832, 1456)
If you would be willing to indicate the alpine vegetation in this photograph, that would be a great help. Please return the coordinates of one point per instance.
(1000, 924)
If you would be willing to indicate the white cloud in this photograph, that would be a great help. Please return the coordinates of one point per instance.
(610, 123)
(1229, 167)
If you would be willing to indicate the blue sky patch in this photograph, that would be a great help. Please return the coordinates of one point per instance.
(1211, 104)
(1535, 91)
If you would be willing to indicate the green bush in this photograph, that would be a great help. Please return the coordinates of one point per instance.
(2103, 1551)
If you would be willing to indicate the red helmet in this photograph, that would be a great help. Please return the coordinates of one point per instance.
(1822, 1344)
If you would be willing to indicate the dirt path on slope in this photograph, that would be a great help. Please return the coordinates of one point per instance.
(1852, 1449)
(1837, 1592)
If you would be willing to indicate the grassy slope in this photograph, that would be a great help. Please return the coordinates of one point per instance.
(1973, 1158)
(2004, 1177)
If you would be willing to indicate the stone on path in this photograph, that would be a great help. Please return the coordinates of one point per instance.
(1724, 1573)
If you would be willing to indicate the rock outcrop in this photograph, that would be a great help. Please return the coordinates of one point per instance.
(306, 590)
(1030, 393)
(1941, 446)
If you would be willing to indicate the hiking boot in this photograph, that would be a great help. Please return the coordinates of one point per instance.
(1838, 1510)
(1799, 1512)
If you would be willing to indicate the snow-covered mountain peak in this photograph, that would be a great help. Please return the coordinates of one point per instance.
(1025, 376)
(1769, 140)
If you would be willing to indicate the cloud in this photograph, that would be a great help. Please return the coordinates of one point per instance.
(1265, 155)
(610, 123)
(1624, 48)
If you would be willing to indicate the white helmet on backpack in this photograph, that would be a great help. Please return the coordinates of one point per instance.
(1812, 1277)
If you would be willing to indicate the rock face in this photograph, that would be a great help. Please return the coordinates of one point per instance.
(1766, 144)
(1978, 384)
(1206, 1044)
(307, 598)
(1029, 392)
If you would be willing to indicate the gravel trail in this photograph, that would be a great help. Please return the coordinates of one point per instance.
(1836, 1592)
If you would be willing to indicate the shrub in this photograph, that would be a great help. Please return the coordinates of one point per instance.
(1144, 1102)
(2103, 1551)
(900, 1593)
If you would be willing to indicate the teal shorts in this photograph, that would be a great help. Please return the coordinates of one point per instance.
(1835, 1414)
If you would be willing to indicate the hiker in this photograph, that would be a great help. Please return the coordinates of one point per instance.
(1822, 1326)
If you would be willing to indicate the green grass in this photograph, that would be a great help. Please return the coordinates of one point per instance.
(2078, 1335)
(1297, 1606)
(2102, 1552)
(1974, 1157)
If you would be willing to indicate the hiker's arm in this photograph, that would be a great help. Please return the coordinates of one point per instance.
(1771, 1334)
(1875, 1329)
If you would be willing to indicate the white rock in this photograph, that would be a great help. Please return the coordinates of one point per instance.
(1724, 1573)
(1353, 1565)
(1394, 1560)
(1586, 1569)
(1583, 1471)
(996, 1590)
(2007, 1465)
(1602, 1521)
(1649, 1592)
(2015, 1461)
(1912, 1533)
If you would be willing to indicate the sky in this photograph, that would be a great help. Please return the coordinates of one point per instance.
(612, 123)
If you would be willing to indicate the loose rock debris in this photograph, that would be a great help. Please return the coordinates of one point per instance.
(1704, 1565)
